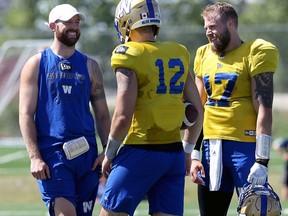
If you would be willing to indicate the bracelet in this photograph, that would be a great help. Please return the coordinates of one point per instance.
(188, 147)
(195, 155)
(112, 147)
(263, 162)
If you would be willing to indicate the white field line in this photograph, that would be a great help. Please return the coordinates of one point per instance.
(13, 156)
(22, 213)
(285, 212)
(11, 142)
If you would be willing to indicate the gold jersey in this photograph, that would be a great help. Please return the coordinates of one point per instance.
(229, 112)
(161, 69)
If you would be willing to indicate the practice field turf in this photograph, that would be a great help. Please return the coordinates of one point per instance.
(19, 194)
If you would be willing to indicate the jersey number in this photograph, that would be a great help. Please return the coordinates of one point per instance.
(219, 78)
(174, 88)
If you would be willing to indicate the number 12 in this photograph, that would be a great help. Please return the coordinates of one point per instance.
(174, 88)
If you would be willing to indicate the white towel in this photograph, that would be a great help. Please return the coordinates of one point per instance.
(216, 166)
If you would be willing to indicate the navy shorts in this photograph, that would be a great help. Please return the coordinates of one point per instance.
(139, 173)
(71, 179)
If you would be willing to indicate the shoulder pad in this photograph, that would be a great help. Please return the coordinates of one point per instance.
(129, 48)
(125, 55)
(260, 44)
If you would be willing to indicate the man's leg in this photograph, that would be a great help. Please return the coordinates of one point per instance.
(213, 203)
(63, 206)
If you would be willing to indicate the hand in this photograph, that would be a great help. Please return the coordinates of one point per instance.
(106, 167)
(98, 161)
(39, 169)
(258, 174)
(197, 167)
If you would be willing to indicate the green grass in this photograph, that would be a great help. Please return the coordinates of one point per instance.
(19, 193)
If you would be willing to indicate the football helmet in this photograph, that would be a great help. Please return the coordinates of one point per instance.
(259, 201)
(132, 14)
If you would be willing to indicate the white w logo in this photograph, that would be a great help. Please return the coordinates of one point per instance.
(124, 8)
(87, 206)
(67, 89)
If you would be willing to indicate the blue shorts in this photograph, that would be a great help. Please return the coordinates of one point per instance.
(139, 172)
(71, 179)
(237, 158)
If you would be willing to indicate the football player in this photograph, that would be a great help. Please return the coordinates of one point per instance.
(281, 145)
(235, 82)
(58, 88)
(153, 80)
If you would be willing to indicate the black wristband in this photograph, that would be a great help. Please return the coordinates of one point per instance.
(199, 141)
(263, 162)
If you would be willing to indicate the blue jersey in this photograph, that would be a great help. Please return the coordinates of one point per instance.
(63, 111)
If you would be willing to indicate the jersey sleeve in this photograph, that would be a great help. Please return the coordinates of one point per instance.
(264, 57)
(125, 56)
(200, 54)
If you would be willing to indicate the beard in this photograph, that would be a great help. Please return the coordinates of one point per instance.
(221, 42)
(65, 39)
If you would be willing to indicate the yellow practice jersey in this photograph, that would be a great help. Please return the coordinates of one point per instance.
(161, 69)
(229, 112)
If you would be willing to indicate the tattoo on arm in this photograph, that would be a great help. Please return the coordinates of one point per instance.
(124, 81)
(264, 88)
(97, 91)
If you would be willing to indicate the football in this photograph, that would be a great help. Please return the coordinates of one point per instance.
(190, 115)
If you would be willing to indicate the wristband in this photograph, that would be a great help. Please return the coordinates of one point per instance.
(188, 147)
(263, 145)
(195, 155)
(112, 147)
(263, 162)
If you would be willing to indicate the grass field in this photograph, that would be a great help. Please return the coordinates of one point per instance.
(19, 194)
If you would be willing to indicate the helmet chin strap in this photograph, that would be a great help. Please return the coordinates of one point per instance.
(156, 31)
(127, 35)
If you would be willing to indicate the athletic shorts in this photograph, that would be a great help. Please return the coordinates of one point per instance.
(237, 159)
(71, 179)
(139, 172)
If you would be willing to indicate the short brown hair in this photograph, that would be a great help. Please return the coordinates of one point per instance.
(224, 10)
